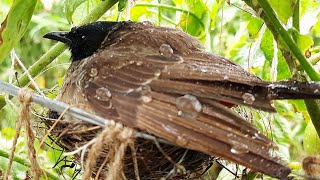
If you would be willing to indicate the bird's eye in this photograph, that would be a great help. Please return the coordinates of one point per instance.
(83, 37)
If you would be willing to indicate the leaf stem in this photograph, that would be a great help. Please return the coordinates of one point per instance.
(274, 25)
(312, 73)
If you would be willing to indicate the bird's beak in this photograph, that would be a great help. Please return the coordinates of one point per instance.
(58, 36)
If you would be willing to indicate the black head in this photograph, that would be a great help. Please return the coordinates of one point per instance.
(84, 40)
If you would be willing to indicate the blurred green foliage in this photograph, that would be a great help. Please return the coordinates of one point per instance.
(230, 30)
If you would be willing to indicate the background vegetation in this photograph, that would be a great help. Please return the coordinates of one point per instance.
(243, 31)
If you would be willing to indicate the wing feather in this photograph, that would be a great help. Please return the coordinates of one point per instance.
(145, 86)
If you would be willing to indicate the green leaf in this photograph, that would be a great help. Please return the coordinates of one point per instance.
(196, 25)
(284, 8)
(70, 8)
(300, 106)
(15, 25)
(304, 42)
(254, 27)
(316, 28)
(8, 133)
(282, 68)
(122, 4)
(214, 11)
(267, 45)
(311, 141)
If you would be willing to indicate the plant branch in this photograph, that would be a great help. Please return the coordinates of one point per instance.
(312, 73)
(274, 25)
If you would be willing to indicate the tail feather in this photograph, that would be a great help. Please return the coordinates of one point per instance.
(211, 135)
(293, 90)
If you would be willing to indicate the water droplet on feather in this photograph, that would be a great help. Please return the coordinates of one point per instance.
(146, 99)
(239, 148)
(93, 72)
(181, 141)
(248, 98)
(189, 106)
(103, 94)
(145, 92)
(166, 50)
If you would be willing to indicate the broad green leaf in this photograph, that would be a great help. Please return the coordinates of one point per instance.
(284, 8)
(301, 107)
(285, 109)
(199, 22)
(70, 8)
(316, 28)
(308, 6)
(265, 74)
(15, 25)
(282, 68)
(254, 27)
(82, 10)
(8, 133)
(139, 11)
(304, 42)
(267, 46)
(122, 4)
(311, 140)
(268, 51)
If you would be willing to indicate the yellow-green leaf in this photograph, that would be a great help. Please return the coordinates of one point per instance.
(15, 25)
(311, 141)
(284, 8)
(70, 8)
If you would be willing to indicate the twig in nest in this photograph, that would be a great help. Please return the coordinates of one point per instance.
(135, 161)
(116, 138)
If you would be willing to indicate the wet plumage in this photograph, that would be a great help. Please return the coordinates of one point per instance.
(161, 81)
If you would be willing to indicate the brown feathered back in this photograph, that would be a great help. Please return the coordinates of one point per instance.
(161, 81)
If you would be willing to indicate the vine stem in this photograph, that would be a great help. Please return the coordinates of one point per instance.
(274, 25)
(312, 73)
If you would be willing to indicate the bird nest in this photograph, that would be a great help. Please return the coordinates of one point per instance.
(141, 159)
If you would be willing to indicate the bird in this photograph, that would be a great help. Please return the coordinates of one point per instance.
(162, 81)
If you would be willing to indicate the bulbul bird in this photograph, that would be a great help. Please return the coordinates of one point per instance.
(161, 81)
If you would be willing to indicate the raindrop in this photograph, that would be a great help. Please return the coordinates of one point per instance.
(239, 149)
(103, 94)
(178, 58)
(204, 70)
(182, 141)
(139, 63)
(157, 73)
(146, 99)
(145, 92)
(93, 72)
(188, 106)
(166, 50)
(248, 98)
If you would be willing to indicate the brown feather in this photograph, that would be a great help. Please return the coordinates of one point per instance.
(145, 82)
